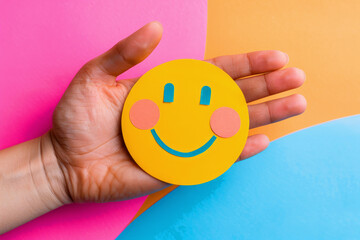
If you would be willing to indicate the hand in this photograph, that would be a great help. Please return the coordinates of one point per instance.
(86, 134)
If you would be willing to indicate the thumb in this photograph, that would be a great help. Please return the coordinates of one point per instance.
(126, 53)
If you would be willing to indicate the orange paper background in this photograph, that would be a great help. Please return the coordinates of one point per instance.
(321, 37)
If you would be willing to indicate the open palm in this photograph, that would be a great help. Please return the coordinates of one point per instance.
(86, 132)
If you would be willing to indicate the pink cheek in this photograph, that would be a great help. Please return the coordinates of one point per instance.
(225, 122)
(144, 114)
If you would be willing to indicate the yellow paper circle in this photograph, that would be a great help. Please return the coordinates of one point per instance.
(184, 123)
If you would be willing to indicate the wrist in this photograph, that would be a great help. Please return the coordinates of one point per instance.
(31, 182)
(49, 174)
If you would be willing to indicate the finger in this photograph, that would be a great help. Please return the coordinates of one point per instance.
(126, 53)
(247, 64)
(264, 85)
(254, 145)
(276, 110)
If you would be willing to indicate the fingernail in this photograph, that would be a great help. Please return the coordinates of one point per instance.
(154, 24)
(287, 56)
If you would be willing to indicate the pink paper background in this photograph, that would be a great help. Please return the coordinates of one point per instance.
(42, 45)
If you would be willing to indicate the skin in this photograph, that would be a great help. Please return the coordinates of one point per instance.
(83, 157)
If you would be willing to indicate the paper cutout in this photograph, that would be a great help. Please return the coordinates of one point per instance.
(198, 151)
(144, 114)
(169, 92)
(58, 49)
(225, 122)
(205, 95)
(310, 192)
(184, 124)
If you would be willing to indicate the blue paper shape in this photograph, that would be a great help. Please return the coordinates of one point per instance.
(205, 95)
(306, 185)
(169, 93)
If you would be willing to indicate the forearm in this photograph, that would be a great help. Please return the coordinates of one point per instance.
(31, 182)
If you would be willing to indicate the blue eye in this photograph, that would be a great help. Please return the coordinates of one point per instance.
(205, 95)
(169, 92)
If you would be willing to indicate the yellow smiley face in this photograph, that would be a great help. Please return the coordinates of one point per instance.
(185, 122)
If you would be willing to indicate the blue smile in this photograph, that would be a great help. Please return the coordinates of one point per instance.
(198, 151)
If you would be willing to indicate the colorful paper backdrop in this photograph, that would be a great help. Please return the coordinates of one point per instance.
(321, 37)
(42, 45)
